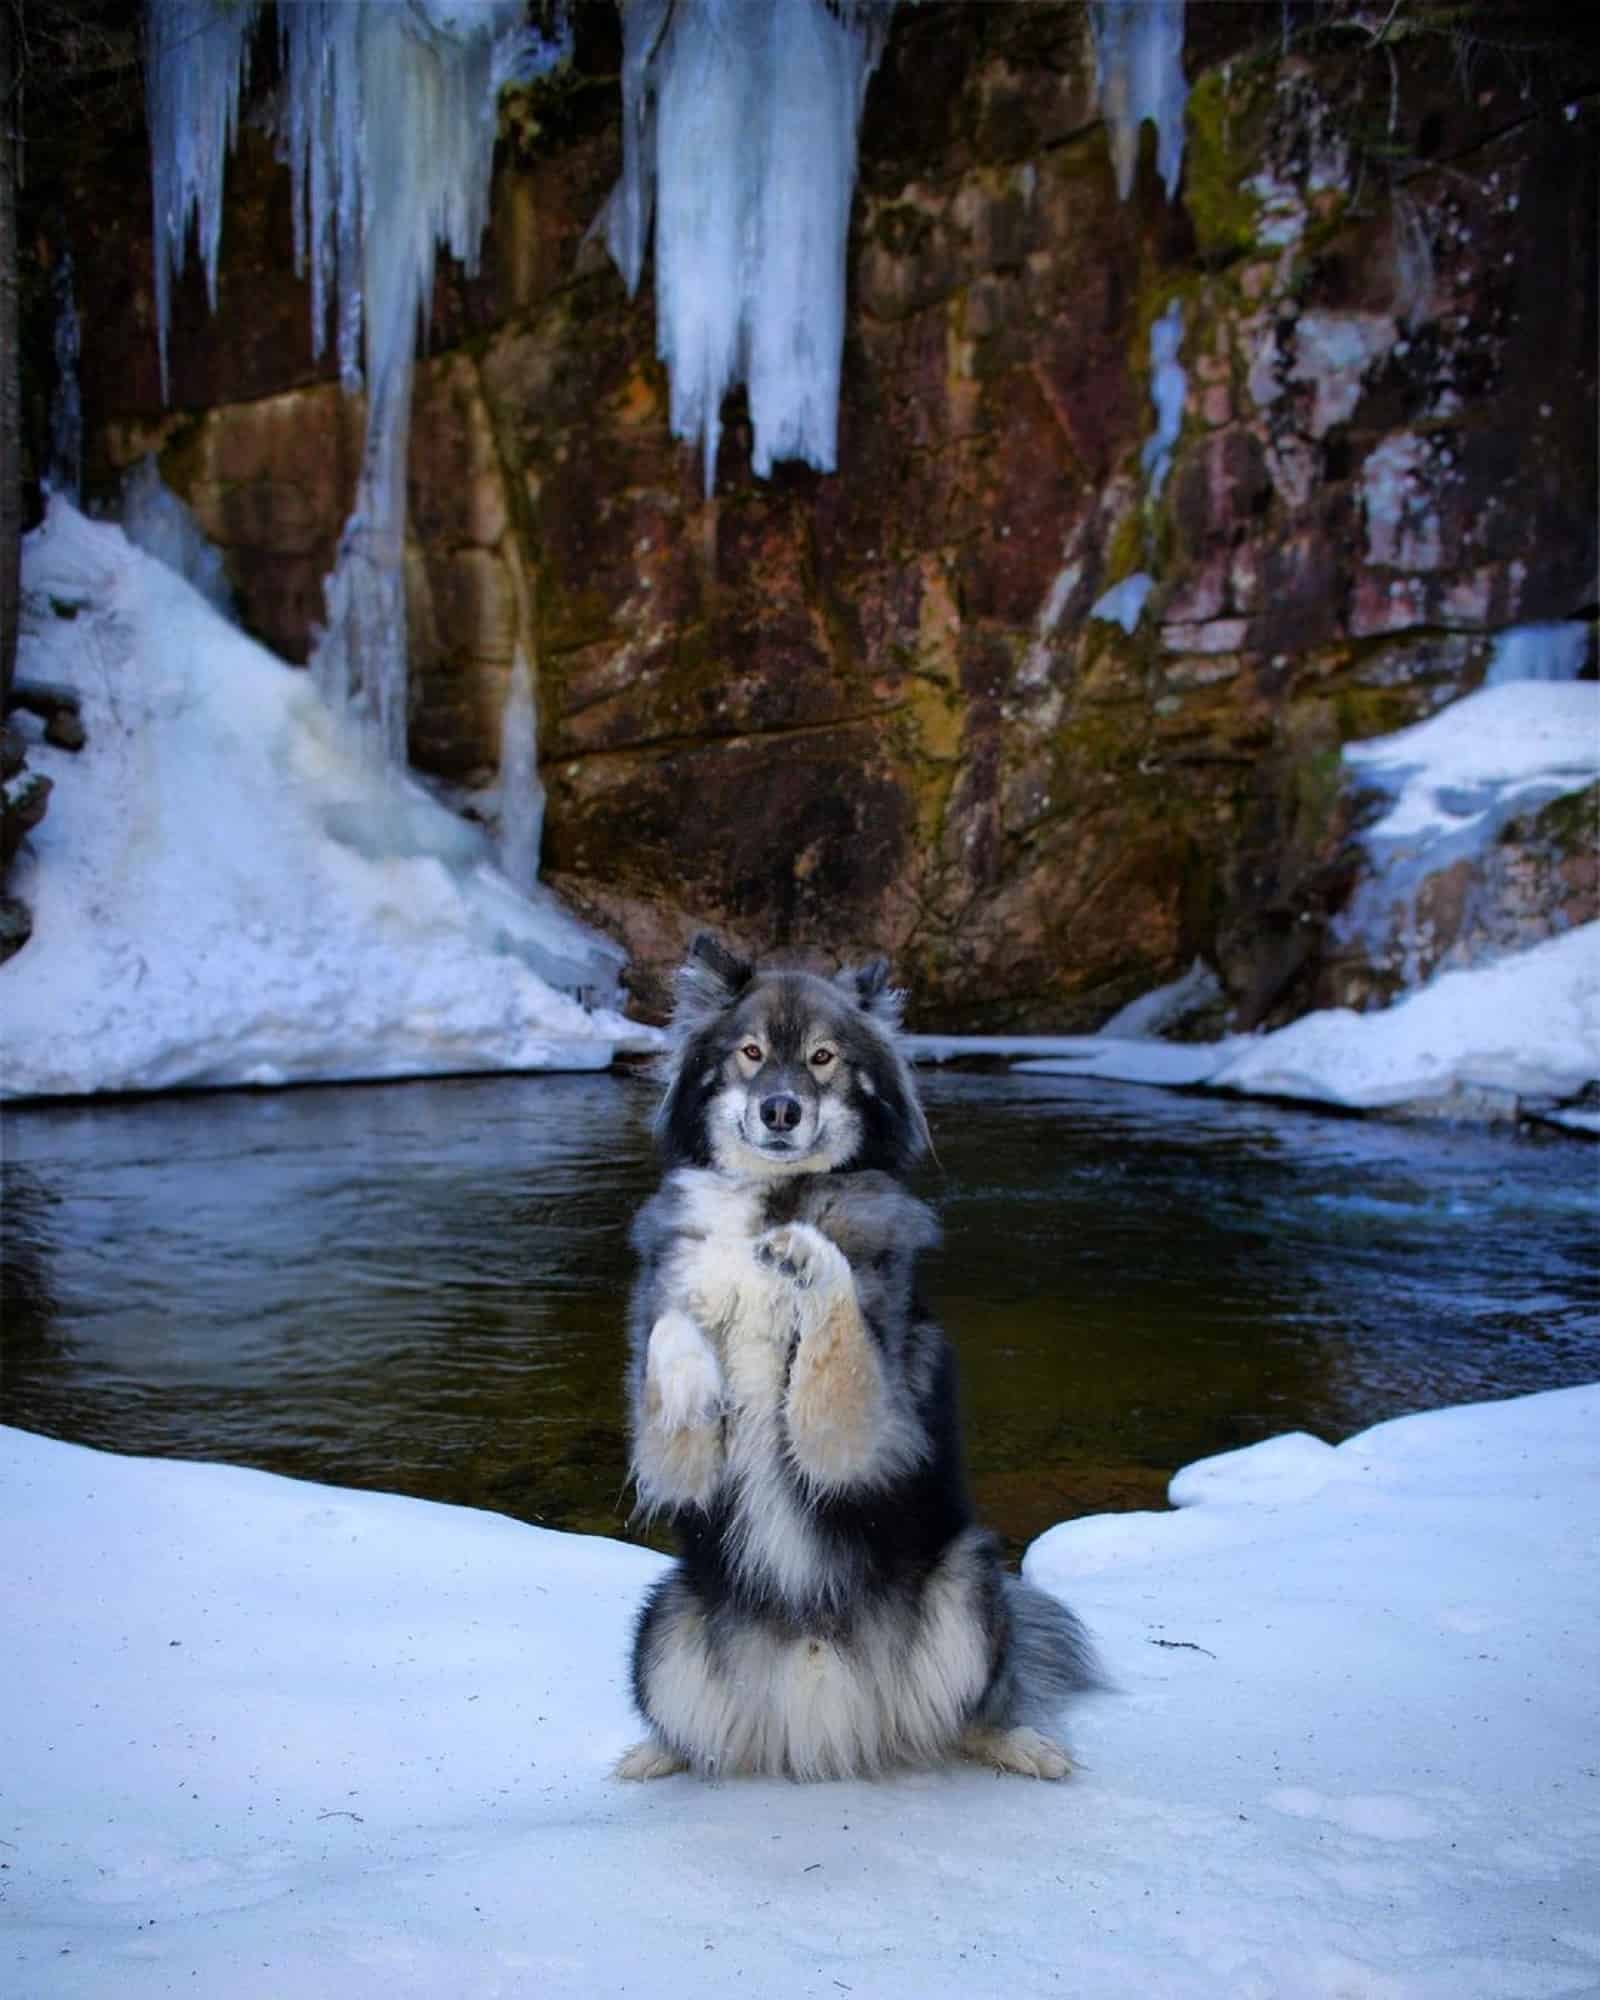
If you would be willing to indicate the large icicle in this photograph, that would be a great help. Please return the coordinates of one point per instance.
(390, 127)
(1138, 49)
(739, 130)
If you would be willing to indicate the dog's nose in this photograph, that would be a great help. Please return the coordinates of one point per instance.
(780, 1112)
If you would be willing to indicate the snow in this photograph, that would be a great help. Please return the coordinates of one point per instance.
(739, 132)
(1524, 1029)
(1138, 49)
(1506, 749)
(264, 1737)
(226, 891)
(1527, 1026)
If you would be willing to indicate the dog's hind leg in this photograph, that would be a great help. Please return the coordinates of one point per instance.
(650, 1759)
(1028, 1752)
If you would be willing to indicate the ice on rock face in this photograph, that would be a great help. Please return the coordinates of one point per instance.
(521, 794)
(1123, 603)
(739, 137)
(1552, 652)
(156, 520)
(1138, 48)
(1168, 387)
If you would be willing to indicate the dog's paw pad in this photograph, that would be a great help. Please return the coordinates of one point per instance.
(1027, 1752)
(799, 1253)
(649, 1759)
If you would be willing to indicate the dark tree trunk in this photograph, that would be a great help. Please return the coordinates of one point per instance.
(10, 329)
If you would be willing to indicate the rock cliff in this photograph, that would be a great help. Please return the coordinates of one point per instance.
(876, 709)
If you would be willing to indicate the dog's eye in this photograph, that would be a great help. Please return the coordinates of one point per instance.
(751, 1052)
(820, 1058)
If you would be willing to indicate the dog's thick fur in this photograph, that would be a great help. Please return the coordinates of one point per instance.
(835, 1610)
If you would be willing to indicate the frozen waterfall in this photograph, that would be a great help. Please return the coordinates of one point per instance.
(1138, 48)
(739, 137)
(389, 125)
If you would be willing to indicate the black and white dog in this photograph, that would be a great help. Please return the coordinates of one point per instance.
(835, 1610)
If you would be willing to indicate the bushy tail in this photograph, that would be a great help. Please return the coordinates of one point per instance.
(1051, 1659)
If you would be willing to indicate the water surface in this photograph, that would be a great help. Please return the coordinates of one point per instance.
(421, 1287)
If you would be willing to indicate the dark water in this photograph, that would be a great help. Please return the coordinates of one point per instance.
(421, 1287)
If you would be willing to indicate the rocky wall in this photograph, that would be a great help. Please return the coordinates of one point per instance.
(873, 710)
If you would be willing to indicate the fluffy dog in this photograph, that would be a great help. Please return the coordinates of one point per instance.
(834, 1610)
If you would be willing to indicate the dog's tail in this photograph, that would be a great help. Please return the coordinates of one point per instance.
(1052, 1658)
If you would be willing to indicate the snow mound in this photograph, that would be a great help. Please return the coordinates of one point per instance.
(1525, 1026)
(1505, 749)
(226, 891)
(264, 1738)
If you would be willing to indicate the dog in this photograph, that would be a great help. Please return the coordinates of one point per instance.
(834, 1611)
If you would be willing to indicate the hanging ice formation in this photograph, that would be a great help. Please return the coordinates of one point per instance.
(390, 128)
(739, 136)
(1138, 52)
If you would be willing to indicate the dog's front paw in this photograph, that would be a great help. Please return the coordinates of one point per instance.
(683, 1384)
(803, 1255)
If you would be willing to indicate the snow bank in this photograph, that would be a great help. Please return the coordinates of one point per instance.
(1506, 749)
(266, 1738)
(1526, 1026)
(225, 891)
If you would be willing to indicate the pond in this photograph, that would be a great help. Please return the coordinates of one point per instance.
(421, 1287)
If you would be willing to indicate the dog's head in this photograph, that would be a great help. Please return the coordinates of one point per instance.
(783, 1072)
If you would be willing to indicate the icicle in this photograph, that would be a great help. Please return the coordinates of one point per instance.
(739, 126)
(66, 404)
(1168, 387)
(1138, 49)
(521, 794)
(198, 56)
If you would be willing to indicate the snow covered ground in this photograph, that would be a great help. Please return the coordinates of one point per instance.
(226, 891)
(264, 1738)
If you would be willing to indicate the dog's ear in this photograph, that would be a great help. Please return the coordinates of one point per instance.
(709, 980)
(868, 986)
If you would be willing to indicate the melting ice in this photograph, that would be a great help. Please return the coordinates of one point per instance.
(739, 136)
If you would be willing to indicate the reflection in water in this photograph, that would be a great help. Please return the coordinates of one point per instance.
(421, 1287)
